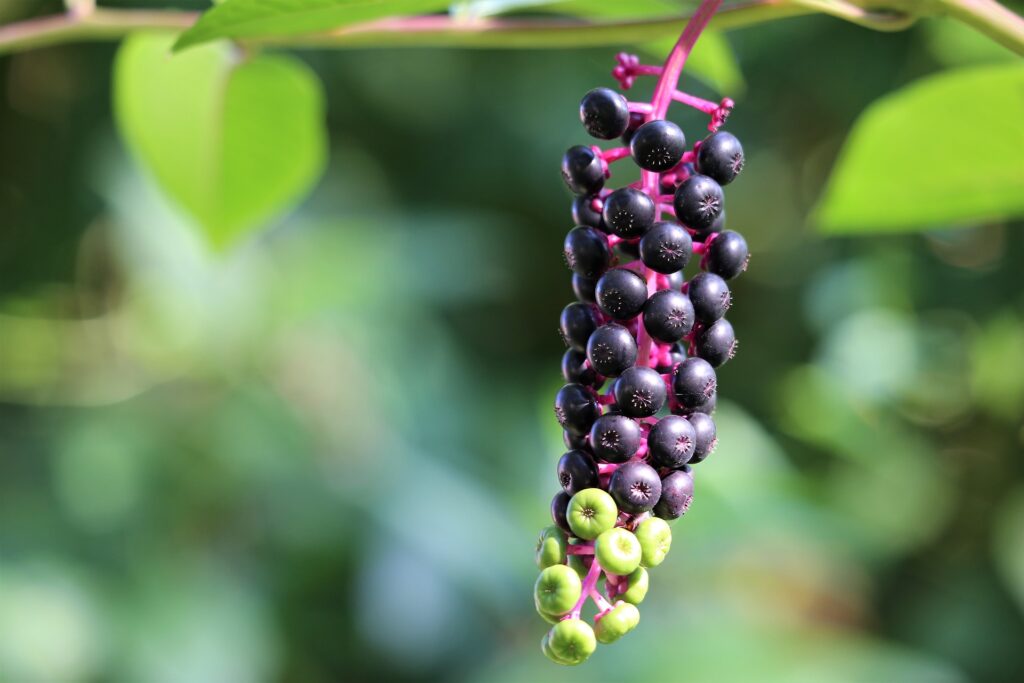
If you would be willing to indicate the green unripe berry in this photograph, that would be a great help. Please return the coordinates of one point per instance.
(655, 538)
(591, 512)
(557, 590)
(617, 622)
(638, 583)
(550, 547)
(572, 640)
(550, 618)
(545, 647)
(618, 551)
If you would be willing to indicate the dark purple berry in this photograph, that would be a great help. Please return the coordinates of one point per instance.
(586, 251)
(559, 506)
(710, 297)
(657, 145)
(582, 170)
(727, 256)
(676, 281)
(698, 202)
(614, 438)
(604, 113)
(576, 408)
(668, 315)
(694, 382)
(636, 119)
(574, 441)
(611, 350)
(621, 293)
(671, 442)
(628, 212)
(635, 486)
(583, 288)
(676, 495)
(666, 248)
(576, 324)
(640, 392)
(707, 407)
(583, 213)
(720, 156)
(704, 428)
(716, 343)
(576, 471)
(575, 369)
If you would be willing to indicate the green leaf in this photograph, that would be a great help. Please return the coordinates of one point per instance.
(233, 143)
(948, 149)
(267, 18)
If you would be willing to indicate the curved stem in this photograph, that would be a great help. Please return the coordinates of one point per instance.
(989, 17)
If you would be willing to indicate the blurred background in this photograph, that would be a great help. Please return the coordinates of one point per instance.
(324, 453)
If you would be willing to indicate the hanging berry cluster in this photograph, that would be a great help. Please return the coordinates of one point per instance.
(643, 347)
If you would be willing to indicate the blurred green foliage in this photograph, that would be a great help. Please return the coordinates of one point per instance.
(323, 454)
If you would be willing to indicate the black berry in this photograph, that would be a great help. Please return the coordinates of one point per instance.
(576, 408)
(621, 293)
(611, 350)
(636, 119)
(635, 486)
(676, 495)
(576, 471)
(576, 324)
(698, 201)
(586, 251)
(614, 438)
(694, 382)
(710, 297)
(716, 343)
(720, 156)
(640, 392)
(704, 428)
(575, 370)
(671, 442)
(583, 213)
(604, 113)
(575, 441)
(668, 315)
(727, 256)
(582, 170)
(628, 212)
(559, 505)
(583, 288)
(657, 145)
(666, 248)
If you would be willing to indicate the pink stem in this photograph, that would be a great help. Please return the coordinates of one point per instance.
(602, 604)
(698, 103)
(588, 585)
(639, 107)
(669, 79)
(615, 153)
(579, 550)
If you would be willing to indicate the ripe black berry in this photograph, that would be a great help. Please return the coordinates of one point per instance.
(614, 438)
(582, 170)
(575, 442)
(727, 256)
(611, 350)
(694, 382)
(676, 494)
(586, 251)
(576, 324)
(698, 201)
(666, 248)
(628, 212)
(576, 471)
(721, 157)
(635, 486)
(657, 145)
(559, 504)
(583, 288)
(671, 442)
(707, 407)
(704, 428)
(668, 315)
(583, 213)
(576, 408)
(710, 297)
(716, 343)
(575, 370)
(636, 119)
(621, 293)
(640, 392)
(604, 113)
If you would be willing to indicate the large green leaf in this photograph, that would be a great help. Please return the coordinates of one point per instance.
(262, 18)
(946, 150)
(232, 142)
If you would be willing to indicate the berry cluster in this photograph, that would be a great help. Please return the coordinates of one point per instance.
(643, 345)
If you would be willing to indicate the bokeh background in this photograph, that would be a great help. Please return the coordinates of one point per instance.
(324, 454)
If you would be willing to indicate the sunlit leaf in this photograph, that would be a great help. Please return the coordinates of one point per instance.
(948, 149)
(233, 143)
(258, 18)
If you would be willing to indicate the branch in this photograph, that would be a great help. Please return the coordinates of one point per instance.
(102, 24)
